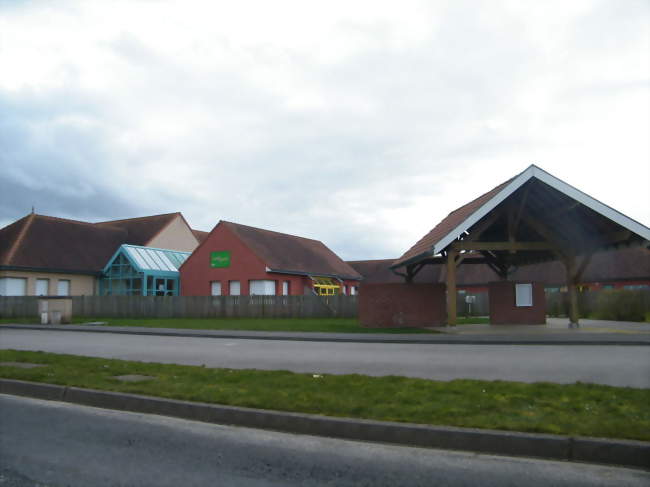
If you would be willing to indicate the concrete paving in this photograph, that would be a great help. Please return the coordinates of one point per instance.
(611, 365)
(50, 443)
(553, 326)
(604, 333)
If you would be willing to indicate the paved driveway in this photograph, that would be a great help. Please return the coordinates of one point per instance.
(613, 365)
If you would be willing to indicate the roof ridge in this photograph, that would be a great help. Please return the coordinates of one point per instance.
(57, 218)
(272, 231)
(136, 218)
(21, 237)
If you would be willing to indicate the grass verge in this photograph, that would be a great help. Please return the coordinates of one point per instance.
(573, 409)
(328, 325)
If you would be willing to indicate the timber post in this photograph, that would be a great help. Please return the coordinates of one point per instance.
(451, 287)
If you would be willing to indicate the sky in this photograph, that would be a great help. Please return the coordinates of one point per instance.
(361, 124)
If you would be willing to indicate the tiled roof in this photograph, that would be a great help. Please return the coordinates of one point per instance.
(283, 252)
(585, 224)
(45, 242)
(455, 218)
(200, 235)
(140, 231)
(627, 264)
(379, 272)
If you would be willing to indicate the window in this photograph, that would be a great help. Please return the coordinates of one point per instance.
(285, 288)
(215, 288)
(63, 287)
(235, 288)
(262, 287)
(13, 286)
(42, 287)
(353, 290)
(523, 295)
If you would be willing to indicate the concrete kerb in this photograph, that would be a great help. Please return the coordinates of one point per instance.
(552, 339)
(592, 450)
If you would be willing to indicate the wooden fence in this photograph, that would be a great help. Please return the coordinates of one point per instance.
(309, 306)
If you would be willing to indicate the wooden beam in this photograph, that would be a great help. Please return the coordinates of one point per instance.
(561, 245)
(451, 288)
(482, 226)
(571, 275)
(463, 245)
(583, 265)
(493, 262)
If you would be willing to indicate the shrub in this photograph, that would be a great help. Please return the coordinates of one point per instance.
(620, 305)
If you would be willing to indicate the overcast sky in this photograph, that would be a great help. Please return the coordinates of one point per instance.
(361, 124)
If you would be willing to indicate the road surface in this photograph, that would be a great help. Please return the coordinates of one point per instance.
(612, 365)
(51, 443)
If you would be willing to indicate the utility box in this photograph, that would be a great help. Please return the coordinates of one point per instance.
(54, 310)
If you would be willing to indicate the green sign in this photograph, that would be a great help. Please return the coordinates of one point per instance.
(220, 259)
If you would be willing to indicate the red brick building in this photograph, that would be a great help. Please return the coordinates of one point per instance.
(241, 260)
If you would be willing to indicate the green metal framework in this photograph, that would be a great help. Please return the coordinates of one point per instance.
(142, 271)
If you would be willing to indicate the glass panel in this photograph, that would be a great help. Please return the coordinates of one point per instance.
(523, 295)
(168, 266)
(148, 258)
(42, 287)
(13, 286)
(235, 288)
(63, 287)
(135, 255)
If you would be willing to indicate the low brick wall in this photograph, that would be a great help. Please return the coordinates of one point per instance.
(503, 310)
(401, 304)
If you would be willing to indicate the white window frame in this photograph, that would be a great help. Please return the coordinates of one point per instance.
(285, 288)
(42, 280)
(13, 286)
(523, 295)
(215, 288)
(262, 287)
(64, 291)
(234, 288)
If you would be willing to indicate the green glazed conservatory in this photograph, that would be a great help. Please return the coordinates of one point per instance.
(142, 271)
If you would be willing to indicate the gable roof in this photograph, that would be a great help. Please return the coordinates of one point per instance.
(141, 230)
(154, 261)
(549, 191)
(57, 244)
(290, 254)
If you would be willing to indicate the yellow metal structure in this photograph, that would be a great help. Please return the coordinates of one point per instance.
(326, 286)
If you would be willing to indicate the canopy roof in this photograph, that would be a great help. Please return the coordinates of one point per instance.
(530, 218)
(151, 260)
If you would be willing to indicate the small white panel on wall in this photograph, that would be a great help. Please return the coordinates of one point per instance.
(523, 295)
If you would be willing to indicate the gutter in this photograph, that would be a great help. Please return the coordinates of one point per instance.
(49, 270)
(309, 274)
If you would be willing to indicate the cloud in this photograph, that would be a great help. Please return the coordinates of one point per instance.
(357, 124)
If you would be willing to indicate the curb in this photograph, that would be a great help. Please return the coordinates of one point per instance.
(630, 340)
(626, 453)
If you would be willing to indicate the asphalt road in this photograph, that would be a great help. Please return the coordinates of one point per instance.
(613, 365)
(50, 443)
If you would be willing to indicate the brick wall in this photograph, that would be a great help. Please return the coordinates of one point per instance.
(386, 305)
(503, 309)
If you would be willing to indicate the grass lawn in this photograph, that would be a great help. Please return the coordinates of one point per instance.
(576, 409)
(331, 325)
(473, 320)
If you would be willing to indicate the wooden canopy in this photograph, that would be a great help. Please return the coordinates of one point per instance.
(533, 217)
